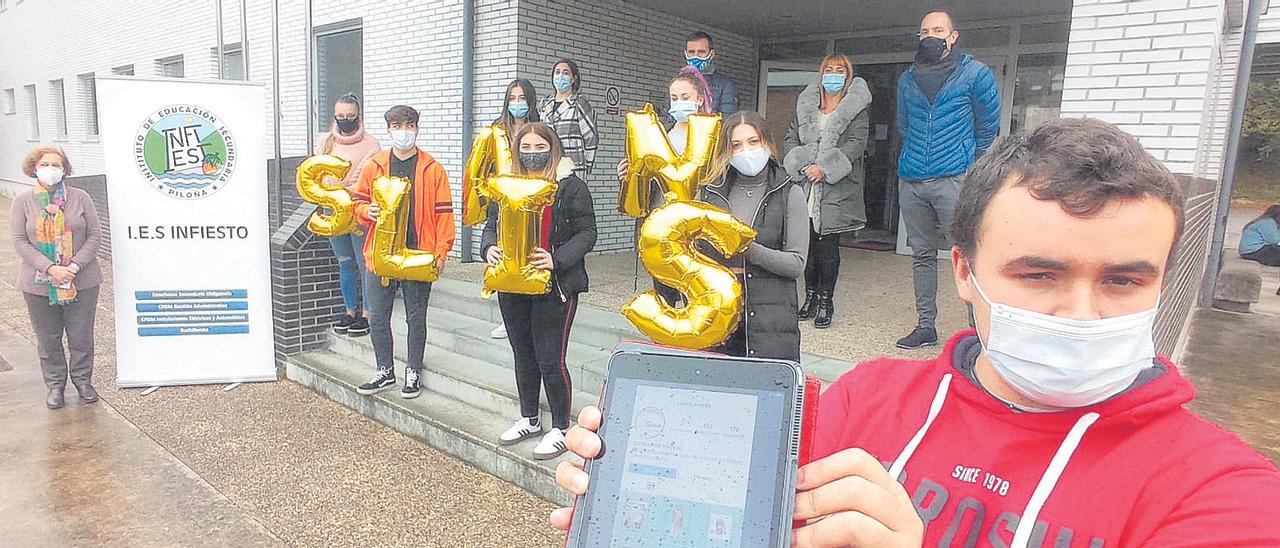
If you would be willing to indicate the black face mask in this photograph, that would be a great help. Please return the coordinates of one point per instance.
(535, 160)
(347, 127)
(931, 50)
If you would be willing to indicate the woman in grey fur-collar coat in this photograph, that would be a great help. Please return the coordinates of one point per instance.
(824, 149)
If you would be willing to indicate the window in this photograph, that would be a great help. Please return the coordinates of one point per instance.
(1037, 92)
(10, 102)
(89, 97)
(339, 68)
(232, 61)
(171, 67)
(34, 104)
(126, 70)
(59, 97)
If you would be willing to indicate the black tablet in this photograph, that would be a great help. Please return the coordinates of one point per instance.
(699, 450)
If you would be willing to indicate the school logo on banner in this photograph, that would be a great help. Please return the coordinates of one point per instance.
(185, 152)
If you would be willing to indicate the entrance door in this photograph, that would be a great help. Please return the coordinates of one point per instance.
(780, 84)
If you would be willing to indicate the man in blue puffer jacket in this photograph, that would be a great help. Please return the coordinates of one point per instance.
(948, 114)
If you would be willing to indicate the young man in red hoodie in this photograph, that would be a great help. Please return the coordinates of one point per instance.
(1054, 423)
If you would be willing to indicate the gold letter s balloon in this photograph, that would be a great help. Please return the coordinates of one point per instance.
(390, 257)
(715, 294)
(490, 155)
(520, 201)
(651, 156)
(312, 188)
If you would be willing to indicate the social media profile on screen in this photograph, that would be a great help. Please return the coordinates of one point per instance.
(699, 451)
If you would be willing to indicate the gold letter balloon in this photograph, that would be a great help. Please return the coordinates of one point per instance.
(651, 156)
(666, 240)
(520, 199)
(520, 202)
(715, 294)
(390, 257)
(313, 188)
(490, 155)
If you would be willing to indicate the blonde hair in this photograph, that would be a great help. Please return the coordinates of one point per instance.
(326, 145)
(724, 152)
(33, 157)
(543, 130)
(838, 59)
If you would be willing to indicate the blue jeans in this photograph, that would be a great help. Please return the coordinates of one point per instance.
(349, 249)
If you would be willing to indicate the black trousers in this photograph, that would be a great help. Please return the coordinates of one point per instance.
(538, 330)
(1268, 255)
(823, 266)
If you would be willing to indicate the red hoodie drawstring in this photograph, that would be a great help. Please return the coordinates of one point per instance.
(1049, 480)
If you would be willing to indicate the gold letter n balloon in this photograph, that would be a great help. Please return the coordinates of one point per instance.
(666, 240)
(313, 188)
(390, 257)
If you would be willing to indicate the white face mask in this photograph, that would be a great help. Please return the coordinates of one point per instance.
(49, 175)
(1066, 363)
(403, 139)
(750, 161)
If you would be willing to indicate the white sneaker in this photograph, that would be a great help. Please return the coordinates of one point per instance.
(499, 332)
(551, 446)
(519, 432)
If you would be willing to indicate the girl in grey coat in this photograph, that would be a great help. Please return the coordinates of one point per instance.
(824, 150)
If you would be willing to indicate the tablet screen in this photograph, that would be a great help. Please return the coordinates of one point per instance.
(690, 466)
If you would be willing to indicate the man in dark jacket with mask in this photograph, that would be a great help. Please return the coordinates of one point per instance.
(948, 114)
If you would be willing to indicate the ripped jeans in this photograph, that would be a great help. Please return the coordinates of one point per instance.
(349, 249)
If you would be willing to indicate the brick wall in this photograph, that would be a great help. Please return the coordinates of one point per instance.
(634, 48)
(305, 296)
(1146, 66)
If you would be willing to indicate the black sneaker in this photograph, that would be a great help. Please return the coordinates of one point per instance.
(919, 338)
(359, 327)
(382, 380)
(412, 384)
(344, 324)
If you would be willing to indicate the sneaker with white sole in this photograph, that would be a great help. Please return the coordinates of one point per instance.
(551, 446)
(412, 384)
(499, 332)
(382, 380)
(520, 431)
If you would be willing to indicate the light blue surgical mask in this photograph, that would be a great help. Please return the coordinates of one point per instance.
(519, 110)
(682, 108)
(699, 63)
(833, 82)
(403, 139)
(1065, 363)
(751, 161)
(562, 82)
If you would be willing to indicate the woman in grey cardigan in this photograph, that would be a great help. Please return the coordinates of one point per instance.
(55, 231)
(824, 149)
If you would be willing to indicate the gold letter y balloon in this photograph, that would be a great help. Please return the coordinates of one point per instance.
(651, 156)
(390, 257)
(715, 294)
(313, 188)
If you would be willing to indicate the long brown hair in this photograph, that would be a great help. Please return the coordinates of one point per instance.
(543, 130)
(326, 146)
(1272, 212)
(724, 152)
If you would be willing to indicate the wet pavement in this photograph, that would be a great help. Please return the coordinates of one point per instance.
(85, 476)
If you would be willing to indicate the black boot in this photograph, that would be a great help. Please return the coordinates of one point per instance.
(810, 304)
(825, 310)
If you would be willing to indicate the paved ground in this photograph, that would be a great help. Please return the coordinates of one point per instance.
(265, 464)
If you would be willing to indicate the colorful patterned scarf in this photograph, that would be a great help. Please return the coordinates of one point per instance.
(53, 238)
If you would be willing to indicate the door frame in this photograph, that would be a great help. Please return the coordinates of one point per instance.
(762, 89)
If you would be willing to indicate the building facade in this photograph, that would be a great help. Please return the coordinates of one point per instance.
(1164, 70)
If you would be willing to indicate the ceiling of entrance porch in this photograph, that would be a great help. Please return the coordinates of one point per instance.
(796, 18)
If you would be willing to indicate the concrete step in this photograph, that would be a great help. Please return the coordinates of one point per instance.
(592, 328)
(452, 426)
(486, 385)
